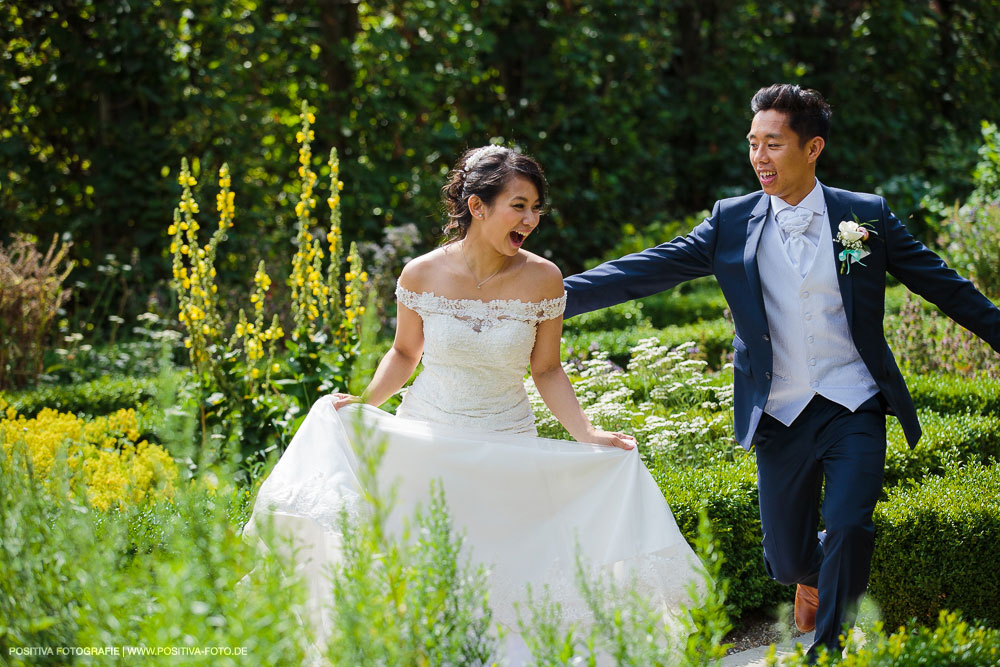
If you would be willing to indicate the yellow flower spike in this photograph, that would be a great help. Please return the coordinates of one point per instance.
(361, 310)
(191, 181)
(255, 373)
(300, 137)
(340, 186)
(184, 249)
(206, 330)
(275, 368)
(183, 206)
(173, 248)
(194, 207)
(311, 118)
(187, 342)
(302, 172)
(172, 229)
(364, 276)
(215, 289)
(183, 226)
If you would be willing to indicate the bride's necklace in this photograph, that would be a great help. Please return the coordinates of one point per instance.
(473, 273)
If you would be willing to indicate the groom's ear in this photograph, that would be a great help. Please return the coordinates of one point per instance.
(814, 147)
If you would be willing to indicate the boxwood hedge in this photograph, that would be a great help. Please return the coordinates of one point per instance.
(947, 438)
(937, 547)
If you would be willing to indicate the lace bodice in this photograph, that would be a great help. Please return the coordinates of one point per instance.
(475, 355)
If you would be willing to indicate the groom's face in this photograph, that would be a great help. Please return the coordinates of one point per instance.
(785, 166)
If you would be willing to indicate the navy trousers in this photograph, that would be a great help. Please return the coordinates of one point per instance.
(829, 445)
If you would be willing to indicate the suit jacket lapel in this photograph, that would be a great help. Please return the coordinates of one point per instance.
(755, 225)
(838, 209)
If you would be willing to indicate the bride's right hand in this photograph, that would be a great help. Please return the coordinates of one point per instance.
(340, 400)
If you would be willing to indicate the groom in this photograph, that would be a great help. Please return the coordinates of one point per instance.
(813, 376)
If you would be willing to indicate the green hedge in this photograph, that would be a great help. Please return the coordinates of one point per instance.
(953, 642)
(947, 438)
(937, 547)
(728, 492)
(714, 339)
(97, 397)
(950, 393)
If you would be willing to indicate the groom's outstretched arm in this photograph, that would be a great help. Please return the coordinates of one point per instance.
(643, 273)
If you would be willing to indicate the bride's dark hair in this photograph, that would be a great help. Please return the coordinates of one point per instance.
(484, 172)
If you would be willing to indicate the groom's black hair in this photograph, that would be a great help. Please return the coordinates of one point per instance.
(808, 113)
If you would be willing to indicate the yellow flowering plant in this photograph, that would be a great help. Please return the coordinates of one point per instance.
(322, 314)
(232, 372)
(105, 458)
(237, 370)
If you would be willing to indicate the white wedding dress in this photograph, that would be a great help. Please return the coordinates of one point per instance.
(523, 503)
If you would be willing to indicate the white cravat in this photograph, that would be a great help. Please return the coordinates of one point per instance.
(794, 221)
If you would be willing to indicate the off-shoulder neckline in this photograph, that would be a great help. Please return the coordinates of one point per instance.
(543, 302)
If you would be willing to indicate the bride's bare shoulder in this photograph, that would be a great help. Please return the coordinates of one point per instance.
(544, 278)
(421, 273)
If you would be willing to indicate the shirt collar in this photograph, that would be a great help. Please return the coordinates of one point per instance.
(814, 201)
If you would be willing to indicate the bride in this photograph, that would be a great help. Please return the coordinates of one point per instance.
(478, 311)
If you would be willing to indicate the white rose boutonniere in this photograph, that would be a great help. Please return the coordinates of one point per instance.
(852, 236)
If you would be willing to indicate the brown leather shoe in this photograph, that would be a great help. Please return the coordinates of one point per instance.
(806, 601)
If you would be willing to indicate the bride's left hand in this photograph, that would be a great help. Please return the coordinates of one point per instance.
(340, 399)
(614, 439)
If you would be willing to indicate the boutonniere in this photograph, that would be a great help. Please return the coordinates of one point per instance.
(852, 236)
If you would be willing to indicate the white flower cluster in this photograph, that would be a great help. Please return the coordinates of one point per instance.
(678, 412)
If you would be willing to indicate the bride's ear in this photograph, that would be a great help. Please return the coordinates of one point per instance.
(476, 207)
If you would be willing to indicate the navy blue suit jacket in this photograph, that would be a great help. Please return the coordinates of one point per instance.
(725, 245)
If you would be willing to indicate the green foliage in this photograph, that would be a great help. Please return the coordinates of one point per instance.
(948, 439)
(677, 412)
(714, 340)
(428, 606)
(951, 643)
(626, 628)
(688, 303)
(952, 394)
(163, 575)
(634, 109)
(728, 494)
(96, 397)
(937, 548)
(924, 340)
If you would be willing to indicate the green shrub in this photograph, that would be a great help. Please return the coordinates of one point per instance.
(160, 575)
(728, 493)
(714, 339)
(937, 548)
(700, 302)
(947, 439)
(950, 393)
(926, 341)
(626, 628)
(96, 397)
(952, 643)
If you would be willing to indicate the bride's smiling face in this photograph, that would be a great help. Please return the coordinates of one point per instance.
(513, 216)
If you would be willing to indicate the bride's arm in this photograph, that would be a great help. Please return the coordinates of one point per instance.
(557, 392)
(398, 363)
